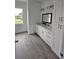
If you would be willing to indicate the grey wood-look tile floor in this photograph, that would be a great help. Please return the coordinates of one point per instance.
(32, 47)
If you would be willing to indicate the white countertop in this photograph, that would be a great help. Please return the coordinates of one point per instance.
(45, 26)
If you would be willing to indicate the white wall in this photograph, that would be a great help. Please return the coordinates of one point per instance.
(21, 27)
(58, 33)
(44, 4)
(34, 14)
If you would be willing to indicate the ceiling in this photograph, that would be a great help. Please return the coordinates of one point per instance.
(21, 0)
(39, 0)
(26, 0)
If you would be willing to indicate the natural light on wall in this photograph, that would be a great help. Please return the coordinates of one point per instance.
(18, 16)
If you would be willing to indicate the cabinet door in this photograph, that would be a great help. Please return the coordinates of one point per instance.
(56, 43)
(43, 34)
(49, 38)
(37, 29)
(40, 31)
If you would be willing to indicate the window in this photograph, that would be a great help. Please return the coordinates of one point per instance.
(18, 16)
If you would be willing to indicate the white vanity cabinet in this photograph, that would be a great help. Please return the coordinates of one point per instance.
(53, 40)
(45, 33)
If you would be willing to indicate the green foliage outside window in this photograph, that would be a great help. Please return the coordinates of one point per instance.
(18, 16)
(18, 20)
